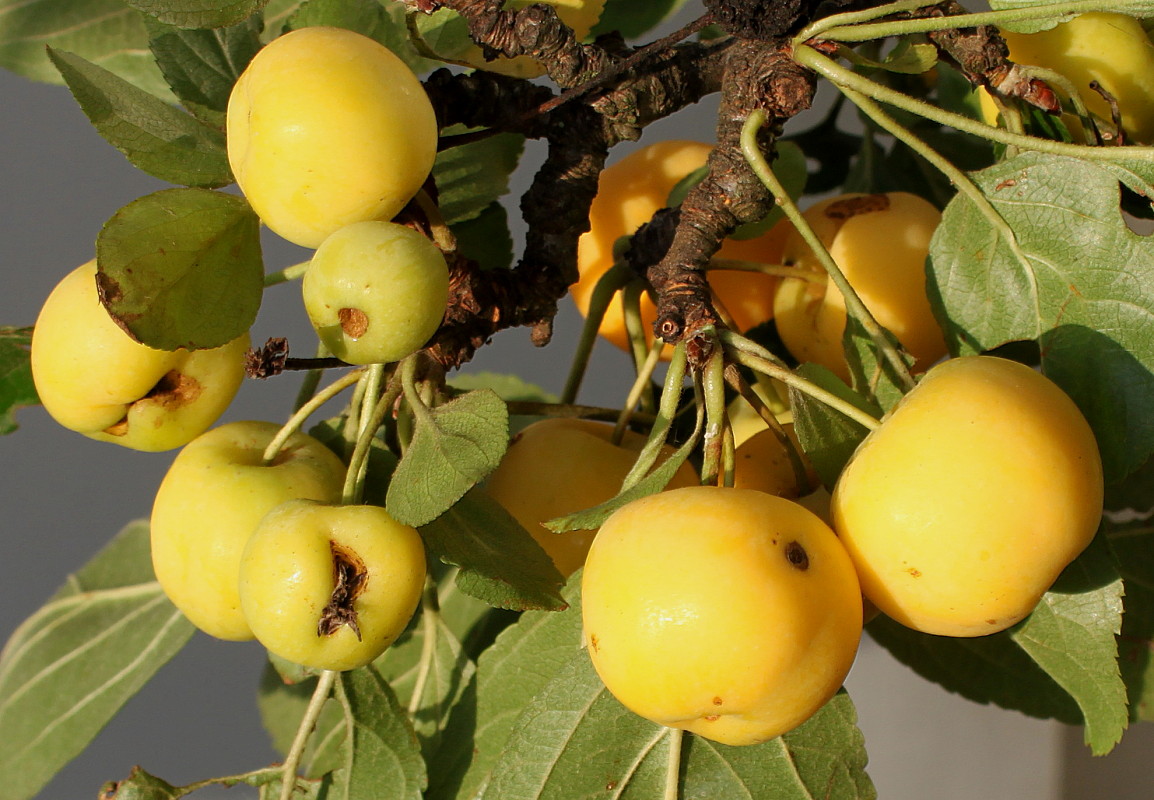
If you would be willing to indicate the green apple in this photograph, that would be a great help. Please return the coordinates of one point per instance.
(95, 379)
(330, 586)
(210, 502)
(376, 292)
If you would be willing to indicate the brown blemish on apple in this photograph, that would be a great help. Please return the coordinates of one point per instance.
(711, 717)
(593, 643)
(797, 557)
(854, 206)
(354, 322)
(914, 572)
(349, 578)
(173, 390)
(717, 701)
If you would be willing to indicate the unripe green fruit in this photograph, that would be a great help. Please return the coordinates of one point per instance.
(376, 292)
(328, 586)
(325, 128)
(210, 502)
(95, 379)
(977, 490)
(730, 613)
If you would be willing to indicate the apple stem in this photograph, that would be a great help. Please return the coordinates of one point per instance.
(713, 384)
(673, 765)
(604, 291)
(287, 274)
(372, 421)
(641, 386)
(639, 339)
(430, 616)
(775, 270)
(301, 414)
(296, 751)
(670, 400)
(853, 303)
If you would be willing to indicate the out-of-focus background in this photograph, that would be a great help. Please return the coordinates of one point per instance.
(63, 496)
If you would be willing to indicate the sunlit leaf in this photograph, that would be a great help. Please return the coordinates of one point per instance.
(182, 268)
(454, 446)
(72, 665)
(828, 437)
(157, 138)
(199, 13)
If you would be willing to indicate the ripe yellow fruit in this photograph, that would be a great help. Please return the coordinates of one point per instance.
(325, 128)
(761, 462)
(1110, 48)
(580, 15)
(880, 242)
(978, 489)
(629, 192)
(330, 586)
(211, 499)
(557, 466)
(95, 379)
(726, 612)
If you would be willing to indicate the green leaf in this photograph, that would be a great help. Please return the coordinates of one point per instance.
(485, 238)
(1071, 275)
(382, 20)
(157, 138)
(444, 33)
(471, 176)
(906, 58)
(382, 757)
(827, 436)
(282, 704)
(70, 667)
(199, 13)
(1135, 9)
(521, 661)
(500, 562)
(1071, 635)
(509, 387)
(16, 387)
(182, 268)
(106, 32)
(632, 18)
(428, 659)
(454, 446)
(139, 785)
(1132, 544)
(985, 669)
(201, 66)
(873, 376)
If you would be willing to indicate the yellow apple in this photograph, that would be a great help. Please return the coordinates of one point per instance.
(95, 379)
(730, 613)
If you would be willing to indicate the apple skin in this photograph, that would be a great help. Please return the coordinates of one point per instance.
(557, 466)
(95, 379)
(326, 127)
(880, 242)
(1107, 47)
(211, 500)
(288, 577)
(727, 612)
(629, 192)
(761, 462)
(375, 292)
(981, 485)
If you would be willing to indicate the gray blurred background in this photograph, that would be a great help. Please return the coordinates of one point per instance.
(63, 496)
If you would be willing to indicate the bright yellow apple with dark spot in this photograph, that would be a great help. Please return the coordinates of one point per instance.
(730, 613)
(95, 379)
(330, 586)
(977, 490)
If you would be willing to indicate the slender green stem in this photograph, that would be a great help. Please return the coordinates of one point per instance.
(641, 386)
(735, 379)
(607, 286)
(354, 487)
(673, 765)
(301, 414)
(752, 355)
(839, 32)
(639, 338)
(670, 400)
(409, 386)
(854, 18)
(304, 730)
(430, 616)
(728, 458)
(255, 777)
(312, 379)
(777, 270)
(286, 274)
(573, 411)
(845, 78)
(957, 177)
(713, 383)
(853, 303)
(443, 235)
